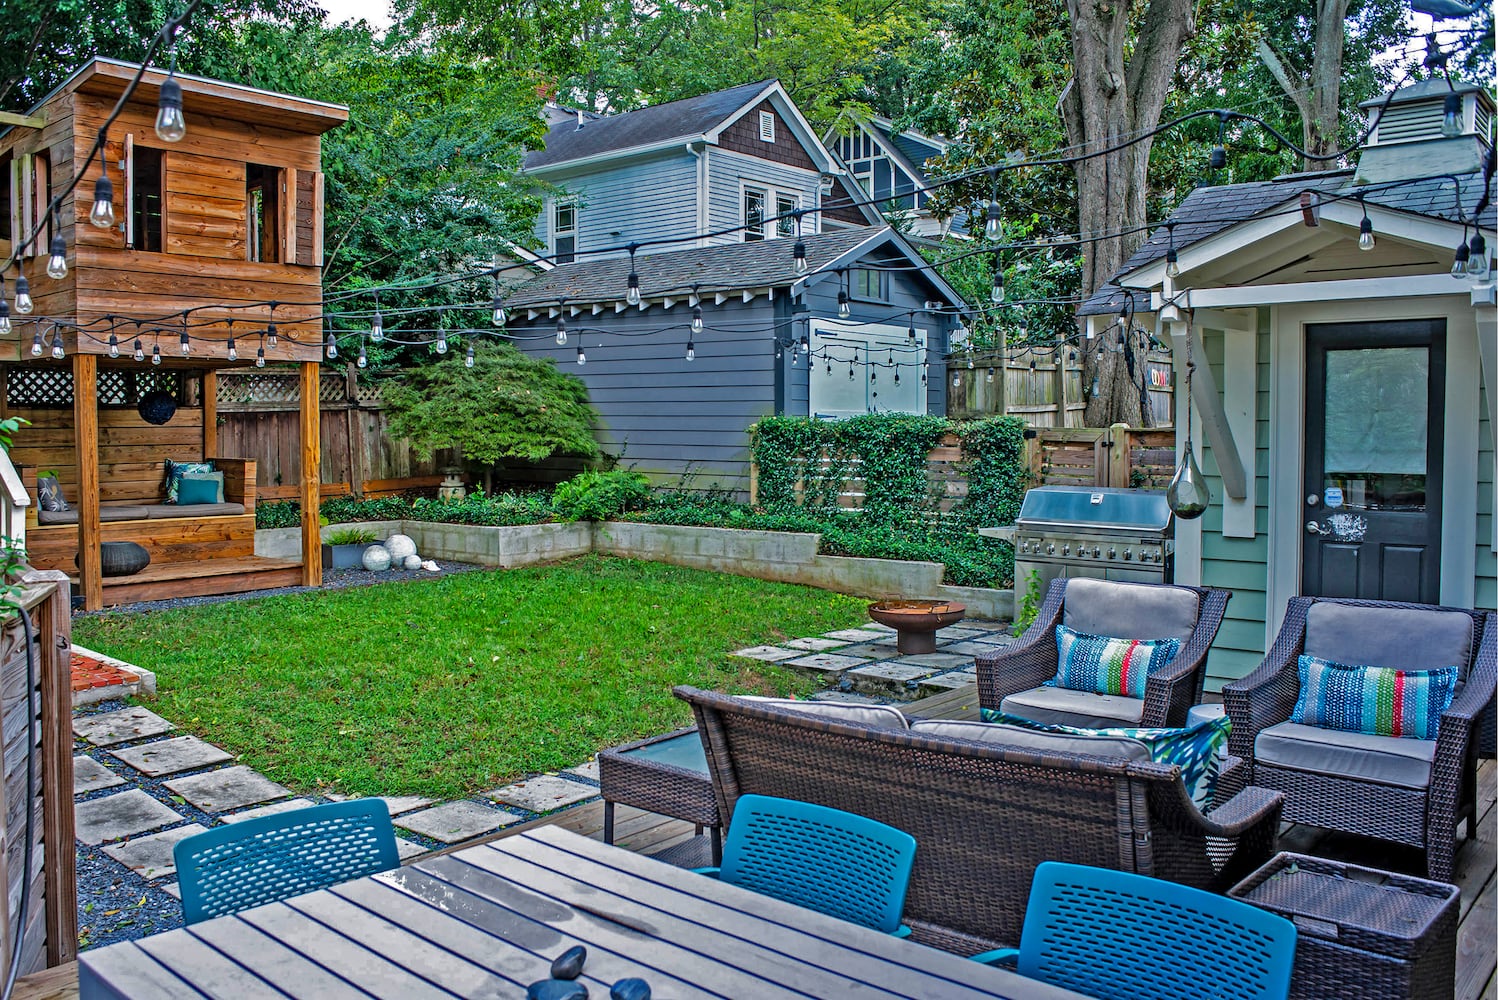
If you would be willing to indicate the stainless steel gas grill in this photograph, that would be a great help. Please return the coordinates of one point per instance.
(1108, 534)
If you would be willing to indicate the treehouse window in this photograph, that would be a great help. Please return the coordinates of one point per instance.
(263, 210)
(145, 199)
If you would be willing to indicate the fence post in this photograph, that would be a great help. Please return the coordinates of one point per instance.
(351, 426)
(1118, 455)
(753, 481)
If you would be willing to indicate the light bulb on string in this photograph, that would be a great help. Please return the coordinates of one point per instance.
(582, 357)
(897, 374)
(139, 353)
(498, 311)
(114, 346)
(24, 303)
(996, 294)
(957, 380)
(233, 348)
(632, 285)
(101, 216)
(1219, 155)
(1451, 115)
(696, 319)
(441, 345)
(910, 333)
(988, 375)
(468, 357)
(993, 226)
(376, 327)
(1172, 259)
(330, 346)
(272, 338)
(363, 359)
(925, 370)
(691, 351)
(260, 356)
(156, 355)
(36, 342)
(829, 367)
(171, 124)
(1365, 230)
(57, 258)
(1460, 258)
(1478, 265)
(5, 326)
(804, 346)
(844, 310)
(873, 374)
(186, 344)
(58, 353)
(562, 331)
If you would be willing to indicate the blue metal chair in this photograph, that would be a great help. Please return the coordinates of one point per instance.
(1119, 936)
(846, 866)
(257, 861)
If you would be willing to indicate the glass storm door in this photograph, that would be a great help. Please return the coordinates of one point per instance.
(1375, 406)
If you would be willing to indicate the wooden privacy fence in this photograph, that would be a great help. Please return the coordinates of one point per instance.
(1039, 386)
(1117, 456)
(258, 418)
(51, 922)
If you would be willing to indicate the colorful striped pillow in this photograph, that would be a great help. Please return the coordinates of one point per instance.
(1102, 665)
(1379, 701)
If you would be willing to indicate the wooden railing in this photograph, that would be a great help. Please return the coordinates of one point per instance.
(13, 501)
(1117, 456)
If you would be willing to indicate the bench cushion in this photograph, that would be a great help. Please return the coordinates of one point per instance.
(1063, 707)
(107, 512)
(1107, 747)
(878, 716)
(1129, 610)
(166, 510)
(1386, 759)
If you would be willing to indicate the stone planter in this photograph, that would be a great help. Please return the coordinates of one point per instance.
(344, 556)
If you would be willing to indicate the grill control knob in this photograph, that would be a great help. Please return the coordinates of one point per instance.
(1051, 549)
(1112, 553)
(1128, 553)
(1097, 553)
(1066, 550)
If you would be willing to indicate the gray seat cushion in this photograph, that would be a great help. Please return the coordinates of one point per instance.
(165, 510)
(1107, 747)
(878, 716)
(1408, 638)
(107, 512)
(1083, 709)
(1388, 760)
(1129, 610)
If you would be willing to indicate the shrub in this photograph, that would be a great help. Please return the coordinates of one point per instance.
(599, 496)
(278, 514)
(476, 508)
(351, 536)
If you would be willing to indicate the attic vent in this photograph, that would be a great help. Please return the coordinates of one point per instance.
(1410, 122)
(1482, 122)
(767, 126)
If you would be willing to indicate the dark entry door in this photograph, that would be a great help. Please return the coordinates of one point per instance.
(1375, 406)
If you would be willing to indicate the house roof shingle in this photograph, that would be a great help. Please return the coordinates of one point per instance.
(730, 267)
(684, 119)
(1208, 211)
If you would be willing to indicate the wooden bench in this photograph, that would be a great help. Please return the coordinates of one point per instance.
(168, 539)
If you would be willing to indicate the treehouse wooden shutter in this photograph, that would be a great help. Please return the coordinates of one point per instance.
(204, 205)
(304, 213)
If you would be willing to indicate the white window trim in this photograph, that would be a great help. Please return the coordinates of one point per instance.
(556, 204)
(767, 126)
(809, 224)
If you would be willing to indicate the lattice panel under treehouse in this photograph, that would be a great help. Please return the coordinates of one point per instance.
(52, 388)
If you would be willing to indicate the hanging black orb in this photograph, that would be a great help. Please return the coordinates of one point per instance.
(157, 407)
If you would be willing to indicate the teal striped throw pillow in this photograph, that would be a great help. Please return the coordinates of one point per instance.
(1379, 701)
(1104, 665)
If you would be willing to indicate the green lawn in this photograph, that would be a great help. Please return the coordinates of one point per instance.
(456, 685)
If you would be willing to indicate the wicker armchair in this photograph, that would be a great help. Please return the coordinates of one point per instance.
(1409, 791)
(1013, 679)
(983, 815)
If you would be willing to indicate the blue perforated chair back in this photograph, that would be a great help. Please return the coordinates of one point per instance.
(1119, 936)
(824, 859)
(257, 861)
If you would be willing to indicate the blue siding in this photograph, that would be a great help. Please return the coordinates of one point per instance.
(635, 201)
(728, 172)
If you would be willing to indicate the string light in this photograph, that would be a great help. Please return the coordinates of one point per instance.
(691, 350)
(114, 346)
(156, 355)
(376, 326)
(467, 358)
(798, 252)
(171, 125)
(5, 326)
(57, 350)
(363, 359)
(562, 331)
(330, 346)
(1477, 258)
(1172, 261)
(102, 214)
(1451, 115)
(1365, 228)
(1460, 258)
(997, 294)
(696, 319)
(632, 295)
(140, 353)
(36, 342)
(272, 338)
(233, 347)
(843, 309)
(186, 344)
(441, 345)
(1218, 158)
(24, 304)
(497, 306)
(259, 353)
(582, 358)
(57, 255)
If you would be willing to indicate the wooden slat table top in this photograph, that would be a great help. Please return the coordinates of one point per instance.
(488, 920)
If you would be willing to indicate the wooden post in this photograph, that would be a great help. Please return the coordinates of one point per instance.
(209, 393)
(1060, 374)
(350, 424)
(86, 451)
(1118, 455)
(53, 619)
(311, 475)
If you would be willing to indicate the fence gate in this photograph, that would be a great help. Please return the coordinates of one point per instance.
(1118, 456)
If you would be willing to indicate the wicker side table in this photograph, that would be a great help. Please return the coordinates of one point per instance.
(1363, 933)
(664, 774)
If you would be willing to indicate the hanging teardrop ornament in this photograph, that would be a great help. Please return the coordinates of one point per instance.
(1187, 493)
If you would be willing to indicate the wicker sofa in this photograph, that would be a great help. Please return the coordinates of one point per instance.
(1408, 791)
(1013, 679)
(983, 814)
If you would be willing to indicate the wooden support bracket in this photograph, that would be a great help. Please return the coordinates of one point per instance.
(1209, 404)
(22, 121)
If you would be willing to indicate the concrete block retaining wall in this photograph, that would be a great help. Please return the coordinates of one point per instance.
(788, 557)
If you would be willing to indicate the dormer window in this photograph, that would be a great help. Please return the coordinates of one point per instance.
(767, 126)
(564, 232)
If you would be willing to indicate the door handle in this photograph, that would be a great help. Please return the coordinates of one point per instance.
(1313, 528)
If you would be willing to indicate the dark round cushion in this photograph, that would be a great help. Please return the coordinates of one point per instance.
(121, 558)
(157, 407)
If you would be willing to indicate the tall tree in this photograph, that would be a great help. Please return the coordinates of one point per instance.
(1121, 78)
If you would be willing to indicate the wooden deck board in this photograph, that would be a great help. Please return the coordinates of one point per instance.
(208, 576)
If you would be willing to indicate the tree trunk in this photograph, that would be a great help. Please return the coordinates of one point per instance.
(1326, 82)
(1109, 100)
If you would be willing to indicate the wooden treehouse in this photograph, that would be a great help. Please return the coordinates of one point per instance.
(216, 242)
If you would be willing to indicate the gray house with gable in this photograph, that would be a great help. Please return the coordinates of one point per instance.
(718, 169)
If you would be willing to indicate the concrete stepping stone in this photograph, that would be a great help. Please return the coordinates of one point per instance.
(397, 804)
(108, 728)
(122, 814)
(174, 890)
(228, 788)
(869, 650)
(770, 654)
(825, 663)
(986, 625)
(815, 644)
(543, 793)
(877, 627)
(457, 821)
(857, 635)
(941, 660)
(974, 647)
(151, 857)
(588, 770)
(848, 698)
(892, 678)
(180, 753)
(90, 776)
(286, 805)
(409, 848)
(958, 632)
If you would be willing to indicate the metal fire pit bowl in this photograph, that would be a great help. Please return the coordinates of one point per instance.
(915, 622)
